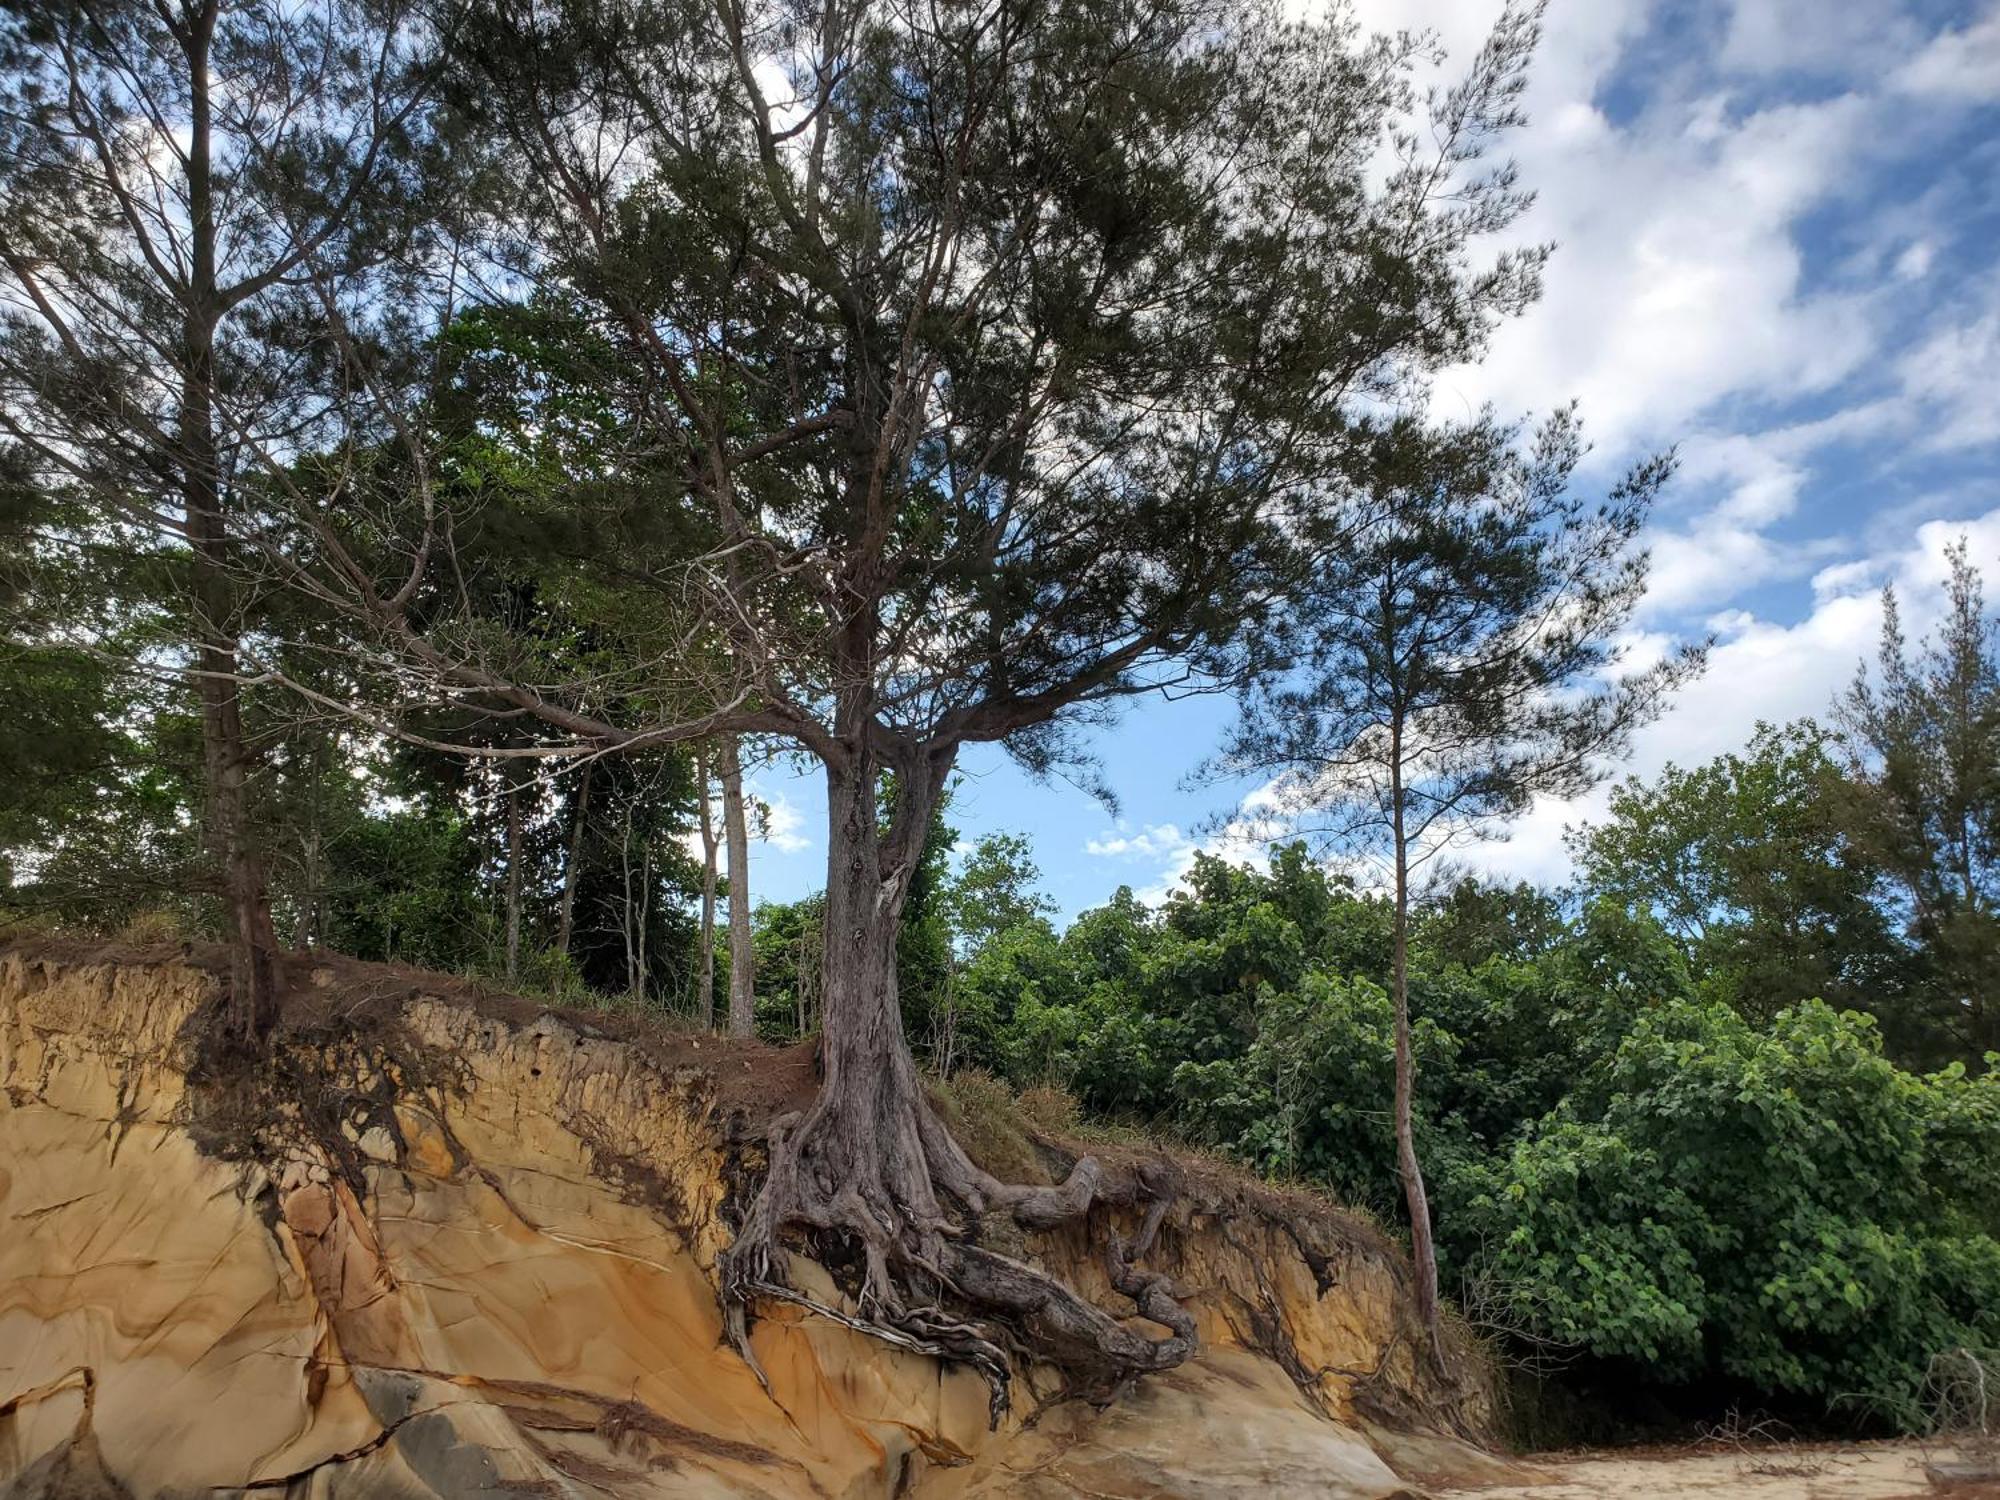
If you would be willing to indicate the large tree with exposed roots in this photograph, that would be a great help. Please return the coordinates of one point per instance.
(958, 370)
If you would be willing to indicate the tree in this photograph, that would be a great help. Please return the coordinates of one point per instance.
(705, 977)
(154, 233)
(994, 890)
(970, 380)
(1465, 921)
(1746, 862)
(1455, 663)
(1923, 744)
(742, 956)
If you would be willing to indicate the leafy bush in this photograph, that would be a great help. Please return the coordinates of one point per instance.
(1779, 1205)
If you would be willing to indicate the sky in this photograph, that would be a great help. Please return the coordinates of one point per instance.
(1777, 232)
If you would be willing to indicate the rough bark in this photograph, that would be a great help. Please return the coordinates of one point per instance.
(872, 1163)
(252, 1002)
(742, 961)
(705, 980)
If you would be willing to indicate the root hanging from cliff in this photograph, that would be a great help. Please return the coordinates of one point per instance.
(877, 1171)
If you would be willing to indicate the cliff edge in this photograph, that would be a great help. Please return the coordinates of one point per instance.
(450, 1244)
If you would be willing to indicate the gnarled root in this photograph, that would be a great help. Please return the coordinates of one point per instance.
(872, 1171)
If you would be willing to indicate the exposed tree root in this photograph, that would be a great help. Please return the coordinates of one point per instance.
(878, 1173)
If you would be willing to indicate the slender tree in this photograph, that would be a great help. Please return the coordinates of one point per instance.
(579, 823)
(705, 977)
(980, 368)
(167, 171)
(1456, 659)
(736, 828)
(512, 878)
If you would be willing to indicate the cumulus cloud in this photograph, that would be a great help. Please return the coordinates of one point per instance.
(1759, 670)
(1960, 64)
(780, 823)
(1169, 853)
(1149, 842)
(1809, 36)
(1951, 373)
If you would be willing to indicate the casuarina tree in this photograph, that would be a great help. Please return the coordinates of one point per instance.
(1455, 657)
(974, 367)
(168, 172)
(1923, 748)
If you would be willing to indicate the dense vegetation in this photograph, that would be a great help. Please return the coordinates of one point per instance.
(434, 459)
(1716, 1116)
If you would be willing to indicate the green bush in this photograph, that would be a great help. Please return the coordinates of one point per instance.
(1780, 1205)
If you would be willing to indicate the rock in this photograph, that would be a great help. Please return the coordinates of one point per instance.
(526, 1303)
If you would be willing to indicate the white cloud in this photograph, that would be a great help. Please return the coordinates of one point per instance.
(1761, 670)
(1679, 299)
(1676, 280)
(1961, 65)
(1151, 841)
(1789, 36)
(1915, 261)
(780, 824)
(1244, 840)
(1951, 375)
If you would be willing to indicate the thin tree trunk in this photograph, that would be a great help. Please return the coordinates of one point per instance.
(742, 964)
(632, 976)
(572, 866)
(312, 876)
(1423, 1253)
(643, 924)
(253, 998)
(706, 974)
(513, 873)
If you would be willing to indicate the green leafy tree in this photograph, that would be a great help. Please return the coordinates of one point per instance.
(981, 395)
(1780, 1206)
(157, 230)
(1746, 862)
(993, 891)
(1467, 921)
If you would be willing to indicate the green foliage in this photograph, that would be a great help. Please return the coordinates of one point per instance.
(1628, 1168)
(1747, 863)
(1923, 803)
(786, 938)
(993, 892)
(1780, 1205)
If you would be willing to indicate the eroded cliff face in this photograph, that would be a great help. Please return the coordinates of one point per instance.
(452, 1251)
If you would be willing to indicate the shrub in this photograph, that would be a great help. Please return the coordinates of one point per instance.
(1781, 1206)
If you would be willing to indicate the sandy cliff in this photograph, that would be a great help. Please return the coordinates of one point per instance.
(451, 1246)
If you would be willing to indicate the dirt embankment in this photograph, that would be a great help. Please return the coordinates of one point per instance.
(450, 1244)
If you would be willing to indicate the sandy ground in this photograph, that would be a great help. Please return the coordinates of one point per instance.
(1846, 1471)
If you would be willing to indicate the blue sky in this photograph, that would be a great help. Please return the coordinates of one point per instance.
(1778, 249)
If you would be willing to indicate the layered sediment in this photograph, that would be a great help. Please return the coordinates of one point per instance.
(451, 1245)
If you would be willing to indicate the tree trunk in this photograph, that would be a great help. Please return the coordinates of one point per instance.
(742, 963)
(1423, 1253)
(513, 873)
(871, 1161)
(573, 865)
(705, 974)
(253, 997)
